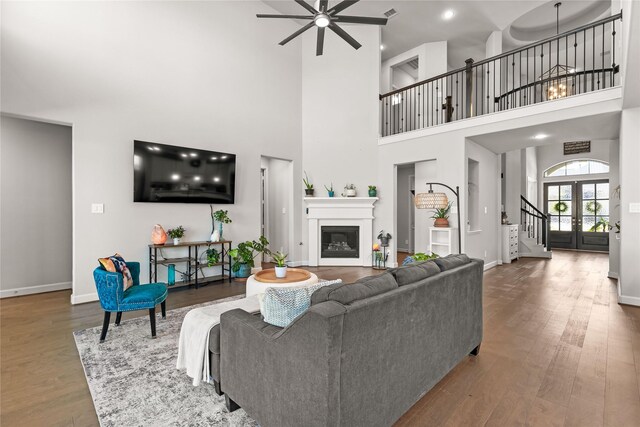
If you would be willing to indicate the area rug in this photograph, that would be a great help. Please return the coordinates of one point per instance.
(134, 381)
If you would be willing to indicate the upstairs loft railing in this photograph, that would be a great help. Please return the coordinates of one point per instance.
(574, 62)
(534, 222)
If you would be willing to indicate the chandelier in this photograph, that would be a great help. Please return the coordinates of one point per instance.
(558, 75)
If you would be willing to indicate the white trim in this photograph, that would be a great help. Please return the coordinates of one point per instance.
(297, 263)
(623, 299)
(403, 250)
(81, 299)
(490, 265)
(613, 275)
(38, 289)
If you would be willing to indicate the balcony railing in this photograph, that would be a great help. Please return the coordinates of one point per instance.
(574, 62)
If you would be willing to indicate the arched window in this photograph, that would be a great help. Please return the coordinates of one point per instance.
(577, 167)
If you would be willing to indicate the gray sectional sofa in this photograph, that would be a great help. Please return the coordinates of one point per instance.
(363, 353)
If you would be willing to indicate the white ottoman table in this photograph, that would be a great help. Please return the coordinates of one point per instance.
(259, 282)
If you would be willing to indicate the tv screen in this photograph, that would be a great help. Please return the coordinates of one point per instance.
(169, 174)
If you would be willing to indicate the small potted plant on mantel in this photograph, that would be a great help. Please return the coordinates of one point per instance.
(280, 260)
(330, 191)
(441, 216)
(349, 190)
(308, 191)
(373, 191)
(176, 234)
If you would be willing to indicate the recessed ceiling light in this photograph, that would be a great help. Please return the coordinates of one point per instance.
(448, 14)
(175, 177)
(196, 178)
(540, 136)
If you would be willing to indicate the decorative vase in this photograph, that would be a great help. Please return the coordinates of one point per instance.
(441, 222)
(176, 241)
(215, 236)
(308, 192)
(373, 193)
(158, 235)
(244, 271)
(281, 272)
(331, 193)
(350, 193)
(220, 232)
(171, 275)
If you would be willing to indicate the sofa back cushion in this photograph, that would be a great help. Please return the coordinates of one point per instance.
(415, 272)
(348, 293)
(452, 261)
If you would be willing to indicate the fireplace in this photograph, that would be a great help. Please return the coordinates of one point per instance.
(338, 241)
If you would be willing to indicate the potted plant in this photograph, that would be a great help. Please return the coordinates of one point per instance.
(176, 234)
(441, 216)
(281, 264)
(222, 216)
(349, 190)
(373, 191)
(308, 185)
(244, 255)
(330, 191)
(213, 257)
(384, 238)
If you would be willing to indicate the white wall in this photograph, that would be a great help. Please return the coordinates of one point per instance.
(340, 114)
(401, 78)
(614, 209)
(432, 61)
(206, 75)
(513, 185)
(35, 218)
(279, 200)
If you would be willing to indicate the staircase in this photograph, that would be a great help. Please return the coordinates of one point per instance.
(534, 233)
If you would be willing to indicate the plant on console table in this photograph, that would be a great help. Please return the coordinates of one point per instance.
(243, 257)
(213, 257)
(176, 234)
(222, 216)
(280, 260)
(441, 216)
(308, 186)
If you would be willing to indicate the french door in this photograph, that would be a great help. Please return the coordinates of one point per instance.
(578, 214)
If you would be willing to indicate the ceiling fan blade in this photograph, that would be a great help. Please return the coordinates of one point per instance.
(341, 6)
(262, 15)
(320, 42)
(346, 37)
(307, 6)
(323, 5)
(297, 33)
(360, 20)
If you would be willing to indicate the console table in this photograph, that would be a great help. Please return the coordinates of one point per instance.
(192, 262)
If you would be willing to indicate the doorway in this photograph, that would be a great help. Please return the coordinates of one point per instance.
(405, 226)
(578, 214)
(276, 204)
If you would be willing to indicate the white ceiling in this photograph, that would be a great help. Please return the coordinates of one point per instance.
(601, 126)
(420, 21)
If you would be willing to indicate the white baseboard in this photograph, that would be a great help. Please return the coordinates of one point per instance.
(623, 299)
(81, 299)
(402, 250)
(38, 289)
(490, 265)
(612, 275)
(297, 263)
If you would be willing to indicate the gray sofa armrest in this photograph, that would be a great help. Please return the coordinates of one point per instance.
(284, 377)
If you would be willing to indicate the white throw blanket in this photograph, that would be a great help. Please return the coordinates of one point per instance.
(193, 348)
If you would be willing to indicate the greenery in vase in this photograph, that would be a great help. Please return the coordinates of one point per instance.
(246, 252)
(442, 212)
(421, 256)
(221, 216)
(350, 187)
(279, 259)
(372, 188)
(330, 188)
(307, 183)
(176, 233)
(213, 257)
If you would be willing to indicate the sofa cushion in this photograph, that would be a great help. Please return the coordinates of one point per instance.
(214, 339)
(452, 261)
(363, 288)
(415, 272)
(280, 306)
(117, 264)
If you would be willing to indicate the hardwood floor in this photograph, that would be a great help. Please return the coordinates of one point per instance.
(557, 350)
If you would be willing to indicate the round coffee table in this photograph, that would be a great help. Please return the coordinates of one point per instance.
(296, 277)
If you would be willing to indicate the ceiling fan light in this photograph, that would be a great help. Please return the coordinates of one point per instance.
(321, 20)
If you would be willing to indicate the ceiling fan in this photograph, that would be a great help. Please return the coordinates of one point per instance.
(323, 18)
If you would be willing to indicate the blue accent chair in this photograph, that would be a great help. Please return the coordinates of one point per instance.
(138, 297)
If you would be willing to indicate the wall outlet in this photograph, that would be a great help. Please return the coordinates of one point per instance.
(406, 242)
(284, 211)
(97, 208)
(485, 254)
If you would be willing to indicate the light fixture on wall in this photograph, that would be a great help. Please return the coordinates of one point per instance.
(560, 88)
(433, 200)
(322, 17)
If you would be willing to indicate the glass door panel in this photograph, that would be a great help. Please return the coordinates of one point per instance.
(593, 219)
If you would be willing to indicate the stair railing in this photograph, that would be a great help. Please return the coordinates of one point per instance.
(534, 222)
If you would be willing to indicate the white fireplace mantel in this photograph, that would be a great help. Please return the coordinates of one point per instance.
(340, 211)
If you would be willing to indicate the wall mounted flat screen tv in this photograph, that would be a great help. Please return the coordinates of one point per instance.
(170, 174)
